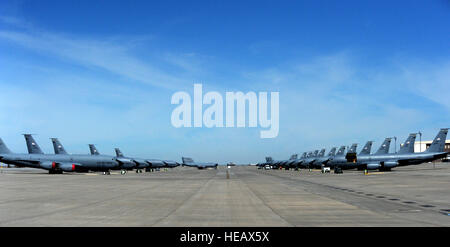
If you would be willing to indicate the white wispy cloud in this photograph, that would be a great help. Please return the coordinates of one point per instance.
(114, 55)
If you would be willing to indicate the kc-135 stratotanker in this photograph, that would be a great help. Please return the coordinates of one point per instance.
(381, 160)
(61, 161)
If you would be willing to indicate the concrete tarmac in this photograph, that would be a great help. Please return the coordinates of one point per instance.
(407, 196)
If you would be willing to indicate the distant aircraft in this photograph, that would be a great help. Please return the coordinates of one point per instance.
(56, 163)
(338, 158)
(139, 163)
(298, 162)
(124, 162)
(385, 162)
(200, 165)
(321, 161)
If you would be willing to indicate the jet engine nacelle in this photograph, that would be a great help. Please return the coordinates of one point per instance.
(48, 165)
(67, 167)
(373, 166)
(390, 164)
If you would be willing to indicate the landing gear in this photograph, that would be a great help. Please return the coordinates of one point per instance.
(123, 172)
(106, 173)
(138, 171)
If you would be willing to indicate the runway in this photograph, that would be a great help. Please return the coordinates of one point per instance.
(407, 196)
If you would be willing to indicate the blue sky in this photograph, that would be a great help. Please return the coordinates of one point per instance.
(103, 72)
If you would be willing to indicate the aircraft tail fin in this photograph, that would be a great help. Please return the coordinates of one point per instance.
(315, 153)
(332, 151)
(3, 148)
(58, 147)
(353, 148)
(367, 148)
(93, 149)
(341, 151)
(322, 152)
(293, 157)
(408, 145)
(304, 155)
(269, 159)
(118, 152)
(33, 147)
(187, 160)
(384, 148)
(438, 143)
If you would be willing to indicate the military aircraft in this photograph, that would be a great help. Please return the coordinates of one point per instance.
(291, 162)
(56, 163)
(319, 162)
(132, 163)
(148, 164)
(274, 164)
(338, 158)
(285, 163)
(200, 165)
(317, 159)
(385, 162)
(125, 163)
(299, 162)
(139, 163)
(310, 158)
(268, 161)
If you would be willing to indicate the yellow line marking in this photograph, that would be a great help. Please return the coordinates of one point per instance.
(374, 173)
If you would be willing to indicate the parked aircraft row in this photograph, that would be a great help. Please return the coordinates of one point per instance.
(380, 160)
(62, 161)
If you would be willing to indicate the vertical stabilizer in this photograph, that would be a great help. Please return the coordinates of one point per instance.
(438, 143)
(93, 149)
(341, 151)
(57, 146)
(3, 148)
(332, 152)
(322, 152)
(408, 146)
(118, 152)
(367, 148)
(353, 148)
(384, 148)
(33, 147)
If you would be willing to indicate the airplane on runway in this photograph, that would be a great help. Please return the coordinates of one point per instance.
(56, 163)
(200, 165)
(147, 163)
(321, 161)
(387, 161)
